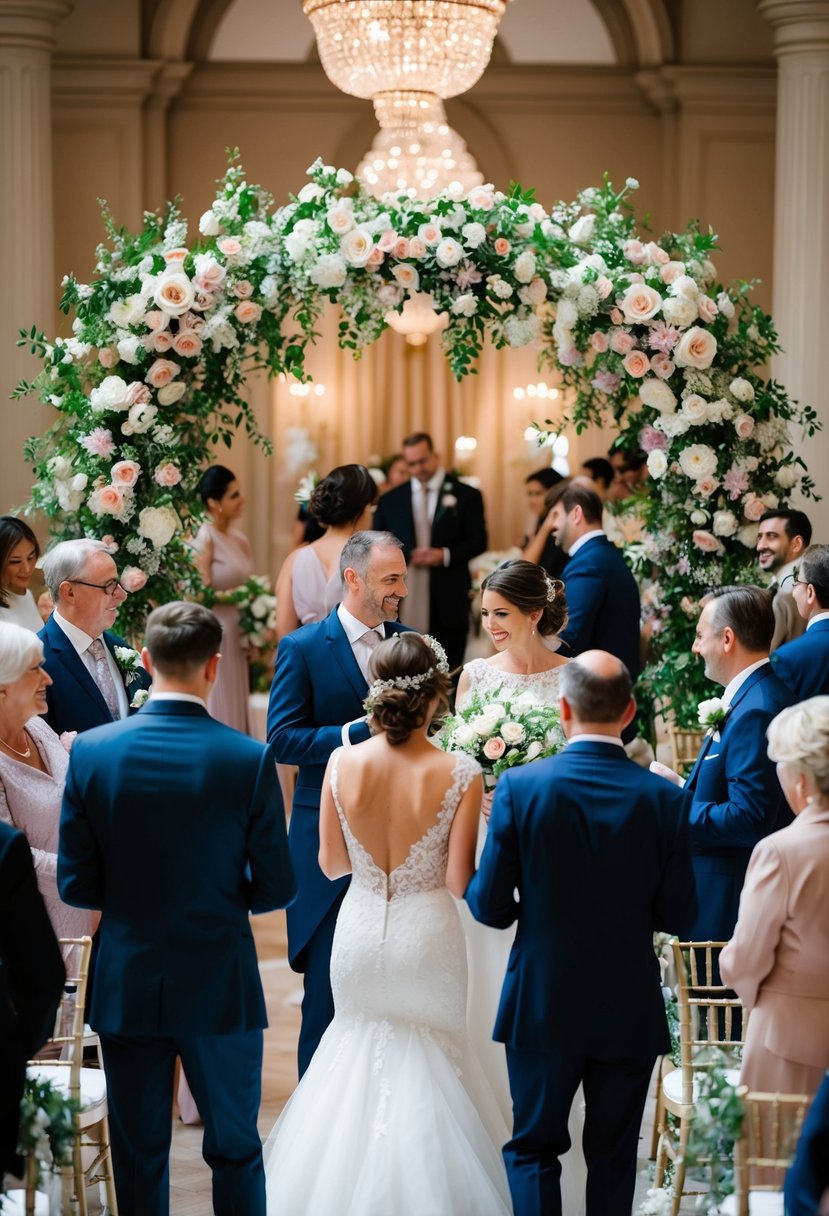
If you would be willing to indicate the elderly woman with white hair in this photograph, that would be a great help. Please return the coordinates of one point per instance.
(778, 958)
(33, 763)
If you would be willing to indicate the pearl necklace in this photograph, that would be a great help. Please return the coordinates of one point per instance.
(23, 755)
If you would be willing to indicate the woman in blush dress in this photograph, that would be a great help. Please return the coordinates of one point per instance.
(33, 764)
(393, 1114)
(309, 583)
(522, 610)
(225, 561)
(19, 552)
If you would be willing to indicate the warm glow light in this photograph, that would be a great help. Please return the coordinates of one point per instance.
(466, 443)
(418, 319)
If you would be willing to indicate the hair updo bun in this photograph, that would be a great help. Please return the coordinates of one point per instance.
(398, 711)
(342, 496)
(529, 588)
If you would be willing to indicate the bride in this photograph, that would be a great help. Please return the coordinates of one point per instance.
(522, 610)
(394, 1115)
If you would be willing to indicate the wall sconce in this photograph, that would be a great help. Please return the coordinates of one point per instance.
(307, 390)
(541, 390)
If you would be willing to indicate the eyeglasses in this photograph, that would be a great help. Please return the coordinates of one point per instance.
(109, 587)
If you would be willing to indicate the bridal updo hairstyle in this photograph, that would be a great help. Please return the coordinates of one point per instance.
(342, 496)
(396, 712)
(528, 588)
(214, 483)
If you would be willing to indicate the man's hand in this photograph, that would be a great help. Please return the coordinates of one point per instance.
(427, 557)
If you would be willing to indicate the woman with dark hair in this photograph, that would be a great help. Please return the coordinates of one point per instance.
(225, 561)
(541, 547)
(19, 551)
(309, 583)
(410, 1126)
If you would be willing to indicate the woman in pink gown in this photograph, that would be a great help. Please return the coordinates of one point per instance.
(226, 561)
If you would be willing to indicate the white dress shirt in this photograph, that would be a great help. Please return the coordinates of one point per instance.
(81, 642)
(355, 631)
(577, 544)
(734, 685)
(819, 616)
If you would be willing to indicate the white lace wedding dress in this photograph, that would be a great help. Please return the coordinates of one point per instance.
(393, 1117)
(488, 952)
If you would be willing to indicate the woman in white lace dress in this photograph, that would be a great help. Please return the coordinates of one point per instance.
(393, 1116)
(522, 610)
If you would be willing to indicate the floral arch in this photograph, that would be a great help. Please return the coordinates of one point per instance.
(639, 330)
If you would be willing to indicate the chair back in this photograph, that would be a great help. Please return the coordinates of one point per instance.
(685, 747)
(768, 1139)
(67, 1040)
(710, 1015)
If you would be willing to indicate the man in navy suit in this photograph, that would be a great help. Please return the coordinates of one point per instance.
(316, 705)
(440, 521)
(803, 665)
(736, 797)
(599, 854)
(89, 687)
(173, 825)
(807, 1182)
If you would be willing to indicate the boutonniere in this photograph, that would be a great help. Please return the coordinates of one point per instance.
(129, 661)
(448, 499)
(140, 698)
(712, 714)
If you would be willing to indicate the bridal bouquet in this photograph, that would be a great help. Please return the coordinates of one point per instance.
(503, 730)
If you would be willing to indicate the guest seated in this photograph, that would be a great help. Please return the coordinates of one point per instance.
(540, 547)
(19, 551)
(33, 763)
(778, 957)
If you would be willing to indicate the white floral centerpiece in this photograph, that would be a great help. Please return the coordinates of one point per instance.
(503, 730)
(257, 610)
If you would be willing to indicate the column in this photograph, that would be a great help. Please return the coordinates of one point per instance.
(801, 233)
(27, 37)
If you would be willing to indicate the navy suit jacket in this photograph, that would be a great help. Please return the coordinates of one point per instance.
(73, 698)
(459, 527)
(602, 603)
(173, 825)
(803, 665)
(599, 852)
(736, 801)
(317, 688)
(808, 1177)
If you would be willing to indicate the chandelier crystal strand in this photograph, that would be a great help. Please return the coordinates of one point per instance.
(374, 46)
(416, 152)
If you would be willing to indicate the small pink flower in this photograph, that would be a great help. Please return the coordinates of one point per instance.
(230, 246)
(191, 320)
(616, 316)
(663, 337)
(705, 487)
(204, 300)
(99, 443)
(125, 473)
(417, 247)
(110, 542)
(753, 508)
(652, 440)
(656, 255)
(401, 248)
(735, 482)
(706, 541)
(107, 500)
(187, 343)
(162, 372)
(634, 251)
(707, 308)
(502, 246)
(160, 342)
(375, 258)
(132, 579)
(621, 341)
(388, 241)
(138, 394)
(167, 475)
(636, 363)
(607, 382)
(242, 289)
(683, 566)
(603, 286)
(598, 341)
(467, 276)
(107, 357)
(744, 425)
(175, 257)
(247, 312)
(662, 366)
(494, 748)
(671, 271)
(156, 320)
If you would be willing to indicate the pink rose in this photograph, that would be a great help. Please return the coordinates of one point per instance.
(210, 274)
(204, 300)
(706, 541)
(162, 372)
(110, 542)
(636, 363)
(621, 341)
(187, 344)
(107, 357)
(160, 342)
(247, 312)
(616, 316)
(753, 508)
(640, 303)
(107, 500)
(603, 286)
(191, 320)
(417, 247)
(502, 246)
(743, 425)
(375, 258)
(157, 320)
(230, 246)
(655, 255)
(705, 487)
(167, 475)
(430, 234)
(671, 271)
(662, 367)
(125, 473)
(598, 341)
(696, 348)
(174, 293)
(494, 748)
(707, 308)
(138, 394)
(242, 289)
(634, 251)
(401, 248)
(133, 579)
(174, 257)
(387, 241)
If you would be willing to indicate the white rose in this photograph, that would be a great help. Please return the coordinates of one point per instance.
(464, 735)
(209, 224)
(698, 461)
(683, 285)
(679, 311)
(407, 276)
(127, 312)
(524, 268)
(141, 417)
(171, 393)
(725, 305)
(581, 232)
(110, 394)
(512, 732)
(482, 725)
(474, 235)
(344, 178)
(59, 467)
(128, 348)
(695, 408)
(696, 348)
(68, 498)
(787, 476)
(742, 389)
(656, 394)
(725, 523)
(158, 525)
(657, 463)
(174, 293)
(640, 302)
(535, 749)
(448, 252)
(329, 271)
(340, 220)
(499, 287)
(465, 305)
(356, 246)
(699, 518)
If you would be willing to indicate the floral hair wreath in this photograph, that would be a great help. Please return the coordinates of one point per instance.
(441, 665)
(551, 589)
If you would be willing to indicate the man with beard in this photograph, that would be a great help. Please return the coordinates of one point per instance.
(782, 537)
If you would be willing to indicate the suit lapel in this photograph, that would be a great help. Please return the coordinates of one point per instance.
(703, 752)
(745, 687)
(74, 665)
(343, 654)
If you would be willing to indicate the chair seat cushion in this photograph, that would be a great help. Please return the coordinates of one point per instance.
(672, 1083)
(93, 1088)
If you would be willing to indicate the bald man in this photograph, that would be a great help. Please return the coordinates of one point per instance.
(599, 853)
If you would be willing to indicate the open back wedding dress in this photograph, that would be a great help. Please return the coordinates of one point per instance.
(394, 1115)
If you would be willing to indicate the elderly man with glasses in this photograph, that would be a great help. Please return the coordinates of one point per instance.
(90, 684)
(803, 664)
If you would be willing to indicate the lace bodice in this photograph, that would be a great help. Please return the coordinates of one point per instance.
(424, 868)
(484, 678)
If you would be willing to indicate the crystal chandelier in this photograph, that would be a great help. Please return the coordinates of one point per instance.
(417, 153)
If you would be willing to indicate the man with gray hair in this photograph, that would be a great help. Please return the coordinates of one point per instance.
(316, 704)
(803, 665)
(591, 855)
(96, 677)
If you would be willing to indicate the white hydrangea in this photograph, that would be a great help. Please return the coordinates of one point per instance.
(524, 268)
(329, 271)
(499, 287)
(474, 235)
(672, 425)
(679, 311)
(587, 301)
(465, 305)
(519, 331)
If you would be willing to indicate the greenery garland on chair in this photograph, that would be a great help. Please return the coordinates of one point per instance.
(640, 331)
